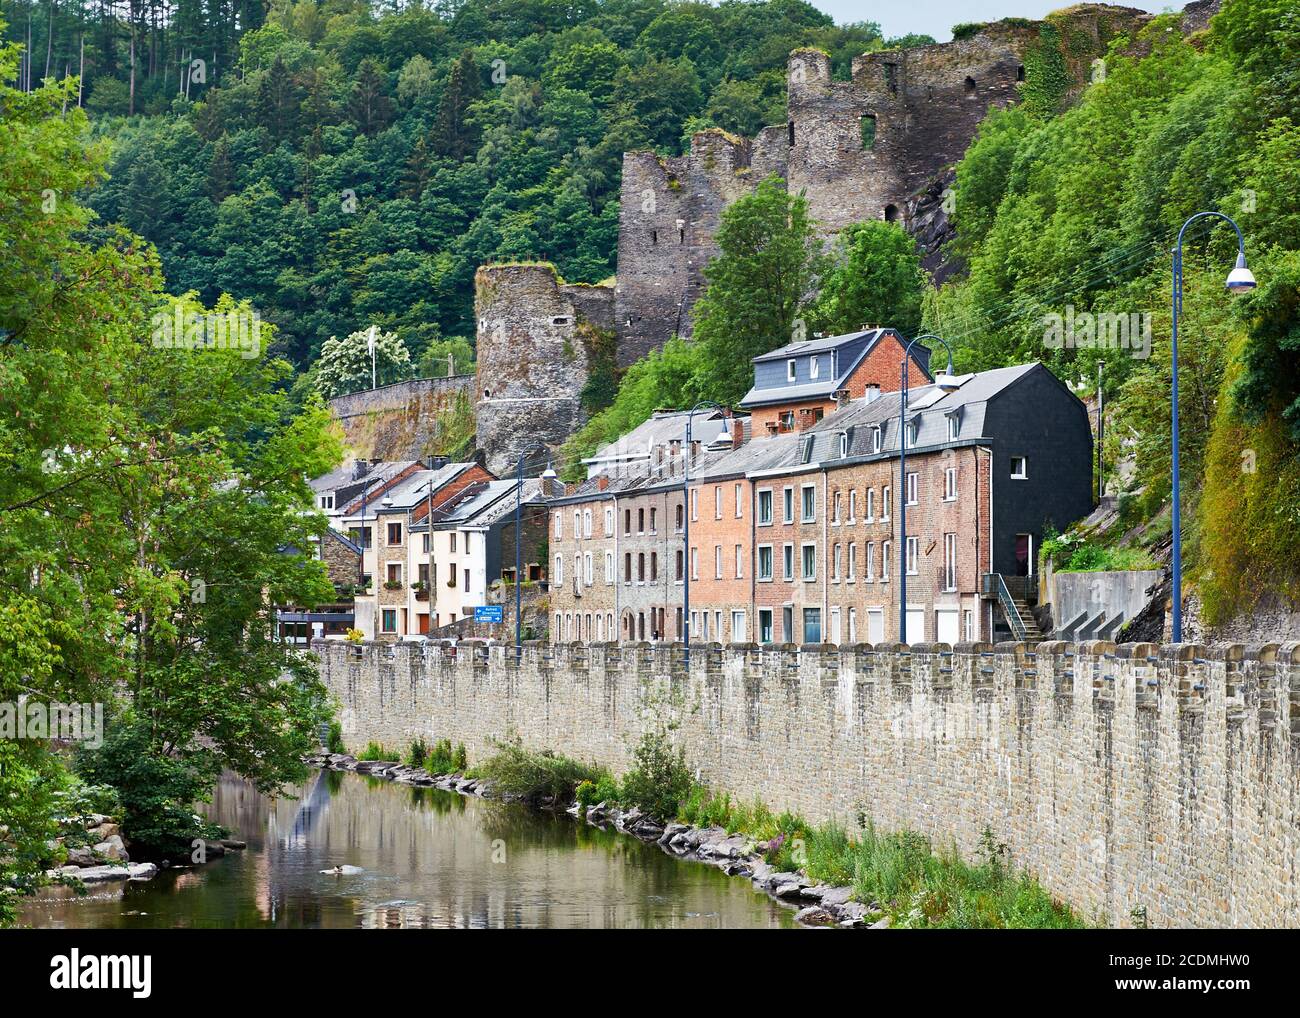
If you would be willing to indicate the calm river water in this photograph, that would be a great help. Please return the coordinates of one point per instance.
(428, 859)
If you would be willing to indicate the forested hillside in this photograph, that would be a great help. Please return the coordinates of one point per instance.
(342, 164)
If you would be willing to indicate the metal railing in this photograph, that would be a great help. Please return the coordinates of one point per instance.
(998, 585)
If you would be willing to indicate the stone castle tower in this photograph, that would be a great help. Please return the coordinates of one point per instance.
(879, 146)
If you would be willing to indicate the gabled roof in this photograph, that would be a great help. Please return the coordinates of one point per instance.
(663, 428)
(822, 388)
(484, 503)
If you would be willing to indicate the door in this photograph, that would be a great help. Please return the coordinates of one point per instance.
(787, 625)
(737, 627)
(424, 621)
(835, 626)
(946, 628)
(1024, 554)
(875, 625)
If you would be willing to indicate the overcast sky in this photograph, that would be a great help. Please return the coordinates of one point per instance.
(936, 17)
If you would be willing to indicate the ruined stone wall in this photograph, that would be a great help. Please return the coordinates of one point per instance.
(1126, 778)
(534, 353)
(397, 421)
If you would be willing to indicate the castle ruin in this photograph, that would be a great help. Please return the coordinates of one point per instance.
(879, 146)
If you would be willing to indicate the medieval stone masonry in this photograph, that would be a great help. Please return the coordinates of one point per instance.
(1131, 780)
(879, 146)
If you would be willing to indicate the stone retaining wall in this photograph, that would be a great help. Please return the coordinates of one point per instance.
(1127, 778)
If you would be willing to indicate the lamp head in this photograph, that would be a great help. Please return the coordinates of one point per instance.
(947, 381)
(1240, 279)
(548, 474)
(725, 435)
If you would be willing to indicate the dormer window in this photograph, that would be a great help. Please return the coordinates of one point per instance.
(790, 371)
(805, 455)
(813, 367)
(844, 444)
(877, 438)
(954, 427)
(913, 427)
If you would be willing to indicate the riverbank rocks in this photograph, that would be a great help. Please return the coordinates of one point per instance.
(734, 854)
(103, 874)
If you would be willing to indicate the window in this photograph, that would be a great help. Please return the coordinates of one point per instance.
(717, 501)
(717, 561)
(1019, 468)
(609, 567)
(835, 508)
(814, 367)
(627, 567)
(853, 506)
(790, 372)
(808, 496)
(559, 525)
(788, 500)
(737, 626)
(853, 625)
(640, 567)
(394, 572)
(466, 581)
(627, 522)
(913, 430)
(812, 625)
(950, 484)
(852, 562)
(588, 570)
(577, 524)
(787, 561)
(911, 489)
(835, 562)
(787, 420)
(912, 552)
(424, 548)
(740, 506)
(390, 620)
(586, 523)
(969, 624)
(327, 501)
(949, 561)
(765, 625)
(764, 507)
(640, 521)
(361, 536)
(695, 563)
(886, 555)
(806, 448)
(394, 534)
(871, 505)
(654, 520)
(765, 562)
(452, 538)
(740, 562)
(695, 504)
(808, 562)
(654, 566)
(867, 131)
(884, 504)
(954, 427)
(678, 560)
(870, 564)
(844, 444)
(609, 521)
(877, 439)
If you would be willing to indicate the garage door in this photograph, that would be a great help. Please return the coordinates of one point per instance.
(875, 625)
(916, 625)
(945, 625)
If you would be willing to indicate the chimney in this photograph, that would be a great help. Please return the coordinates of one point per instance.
(602, 482)
(873, 393)
(360, 469)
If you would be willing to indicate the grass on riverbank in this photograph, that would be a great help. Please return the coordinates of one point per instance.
(900, 872)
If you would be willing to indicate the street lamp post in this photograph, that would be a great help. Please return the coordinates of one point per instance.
(947, 383)
(704, 404)
(1239, 280)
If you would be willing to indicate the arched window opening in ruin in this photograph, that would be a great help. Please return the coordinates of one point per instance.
(654, 236)
(681, 235)
(790, 128)
(891, 213)
(868, 128)
(970, 84)
(487, 393)
(891, 78)
(1020, 73)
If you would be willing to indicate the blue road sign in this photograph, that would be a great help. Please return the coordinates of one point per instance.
(489, 613)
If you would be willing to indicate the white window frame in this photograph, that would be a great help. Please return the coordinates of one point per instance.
(740, 561)
(805, 516)
(877, 439)
(740, 505)
(870, 564)
(814, 368)
(609, 567)
(771, 563)
(949, 561)
(717, 561)
(771, 506)
(791, 370)
(851, 563)
(609, 521)
(787, 504)
(1023, 473)
(912, 551)
(806, 575)
(787, 561)
(913, 487)
(950, 484)
(559, 568)
(886, 555)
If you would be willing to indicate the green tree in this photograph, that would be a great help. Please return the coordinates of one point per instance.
(345, 364)
(453, 133)
(876, 279)
(766, 274)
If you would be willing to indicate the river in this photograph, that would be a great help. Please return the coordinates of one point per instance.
(428, 859)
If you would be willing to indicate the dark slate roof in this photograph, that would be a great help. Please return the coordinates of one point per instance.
(818, 345)
(822, 388)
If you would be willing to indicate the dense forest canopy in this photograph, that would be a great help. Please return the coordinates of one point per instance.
(342, 164)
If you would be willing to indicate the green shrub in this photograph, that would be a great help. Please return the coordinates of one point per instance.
(659, 780)
(416, 753)
(334, 741)
(374, 751)
(537, 775)
(442, 759)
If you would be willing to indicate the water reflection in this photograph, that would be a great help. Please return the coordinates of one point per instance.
(428, 859)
